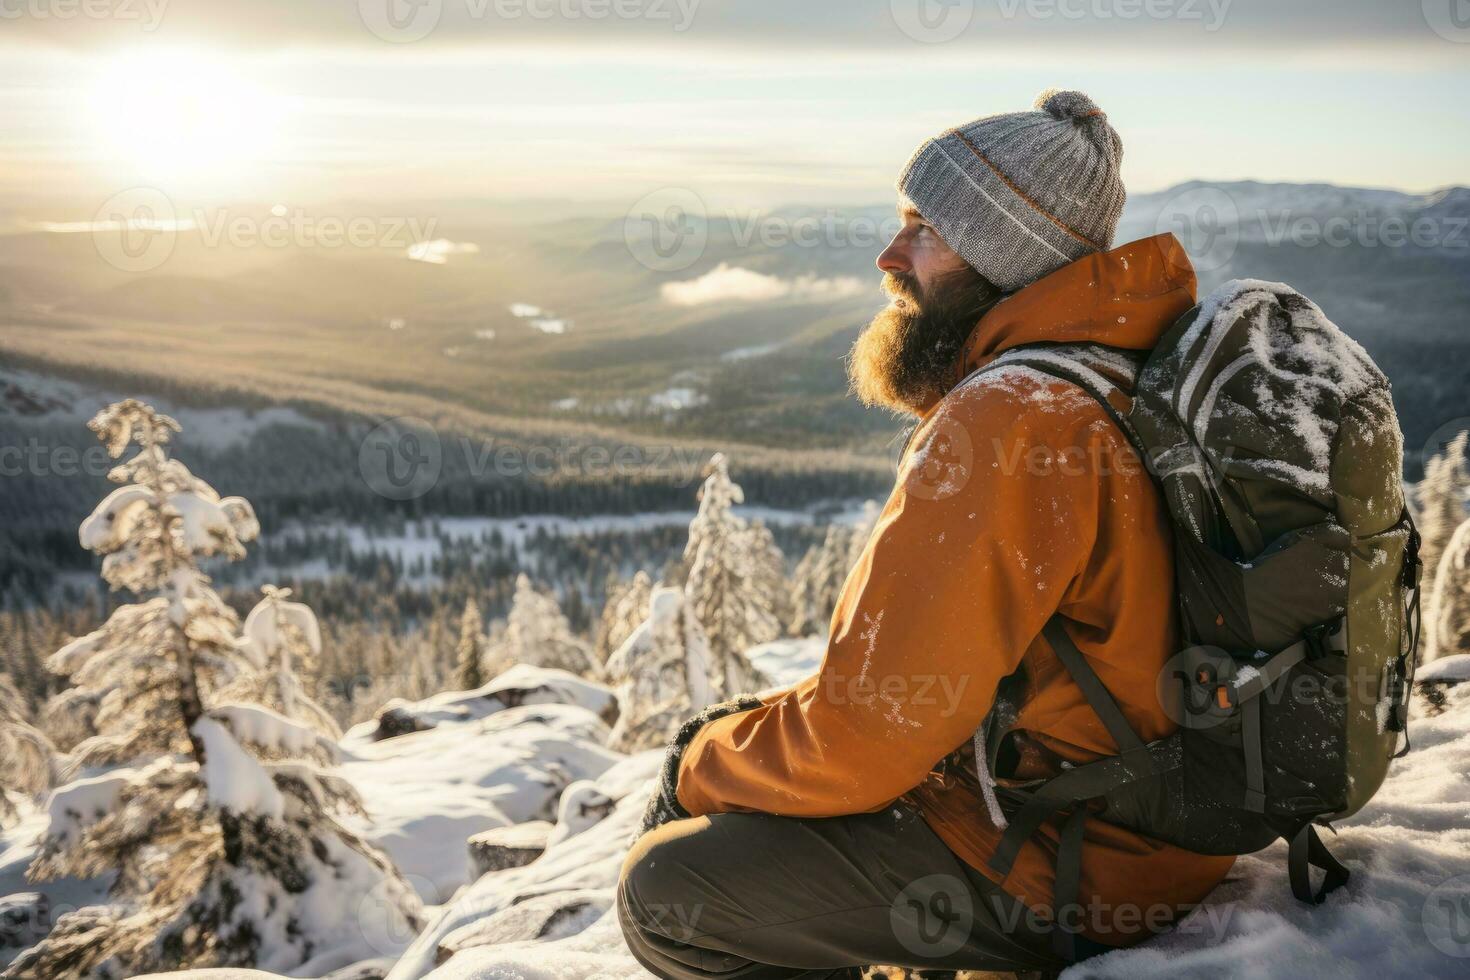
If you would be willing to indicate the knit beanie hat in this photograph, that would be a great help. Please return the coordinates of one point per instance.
(1021, 194)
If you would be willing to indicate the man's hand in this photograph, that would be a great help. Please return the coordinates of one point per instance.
(664, 805)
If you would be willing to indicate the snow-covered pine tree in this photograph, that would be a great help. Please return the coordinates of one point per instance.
(145, 666)
(817, 582)
(286, 638)
(1441, 507)
(730, 587)
(30, 760)
(13, 705)
(662, 674)
(537, 633)
(804, 593)
(1449, 629)
(69, 717)
(769, 583)
(218, 817)
(823, 571)
(627, 606)
(470, 651)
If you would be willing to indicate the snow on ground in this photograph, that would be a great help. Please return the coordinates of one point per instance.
(28, 395)
(584, 866)
(428, 792)
(520, 685)
(17, 848)
(787, 661)
(676, 399)
(1409, 852)
(755, 350)
(1403, 915)
(438, 251)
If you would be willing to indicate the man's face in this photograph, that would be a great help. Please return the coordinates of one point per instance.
(905, 359)
(917, 255)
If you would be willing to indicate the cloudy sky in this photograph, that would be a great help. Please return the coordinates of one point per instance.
(755, 102)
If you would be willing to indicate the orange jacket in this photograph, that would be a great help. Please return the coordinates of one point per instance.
(1006, 510)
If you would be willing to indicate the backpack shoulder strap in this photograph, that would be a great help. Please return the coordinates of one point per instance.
(1106, 373)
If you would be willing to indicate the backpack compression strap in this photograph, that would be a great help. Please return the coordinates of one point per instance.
(1306, 852)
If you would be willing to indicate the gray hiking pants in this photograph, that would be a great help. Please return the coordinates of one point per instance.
(763, 897)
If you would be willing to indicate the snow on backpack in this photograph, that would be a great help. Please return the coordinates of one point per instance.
(1274, 440)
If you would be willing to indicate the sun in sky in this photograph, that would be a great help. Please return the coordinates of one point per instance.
(183, 117)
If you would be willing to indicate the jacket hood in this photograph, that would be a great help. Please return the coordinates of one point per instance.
(1127, 297)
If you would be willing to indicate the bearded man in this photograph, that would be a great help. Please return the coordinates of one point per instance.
(861, 817)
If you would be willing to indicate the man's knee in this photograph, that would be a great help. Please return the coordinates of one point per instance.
(658, 888)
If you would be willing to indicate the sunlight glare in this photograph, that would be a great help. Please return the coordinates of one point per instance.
(186, 116)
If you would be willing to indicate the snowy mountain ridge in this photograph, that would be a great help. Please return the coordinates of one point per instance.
(1304, 215)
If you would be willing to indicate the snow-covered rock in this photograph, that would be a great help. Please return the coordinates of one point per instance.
(1446, 670)
(375, 969)
(426, 793)
(582, 805)
(521, 684)
(25, 918)
(541, 918)
(512, 846)
(577, 868)
(224, 973)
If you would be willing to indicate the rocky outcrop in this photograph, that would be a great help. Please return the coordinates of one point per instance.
(514, 846)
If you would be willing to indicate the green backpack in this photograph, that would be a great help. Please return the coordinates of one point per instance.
(1274, 440)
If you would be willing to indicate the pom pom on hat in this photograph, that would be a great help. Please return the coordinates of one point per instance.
(1068, 104)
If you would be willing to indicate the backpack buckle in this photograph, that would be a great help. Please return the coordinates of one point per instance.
(1222, 692)
(1316, 637)
(1413, 564)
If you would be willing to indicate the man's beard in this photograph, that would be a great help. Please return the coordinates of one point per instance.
(905, 359)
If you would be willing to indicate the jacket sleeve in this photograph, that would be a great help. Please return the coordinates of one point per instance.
(992, 516)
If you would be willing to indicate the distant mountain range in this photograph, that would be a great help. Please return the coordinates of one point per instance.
(748, 324)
